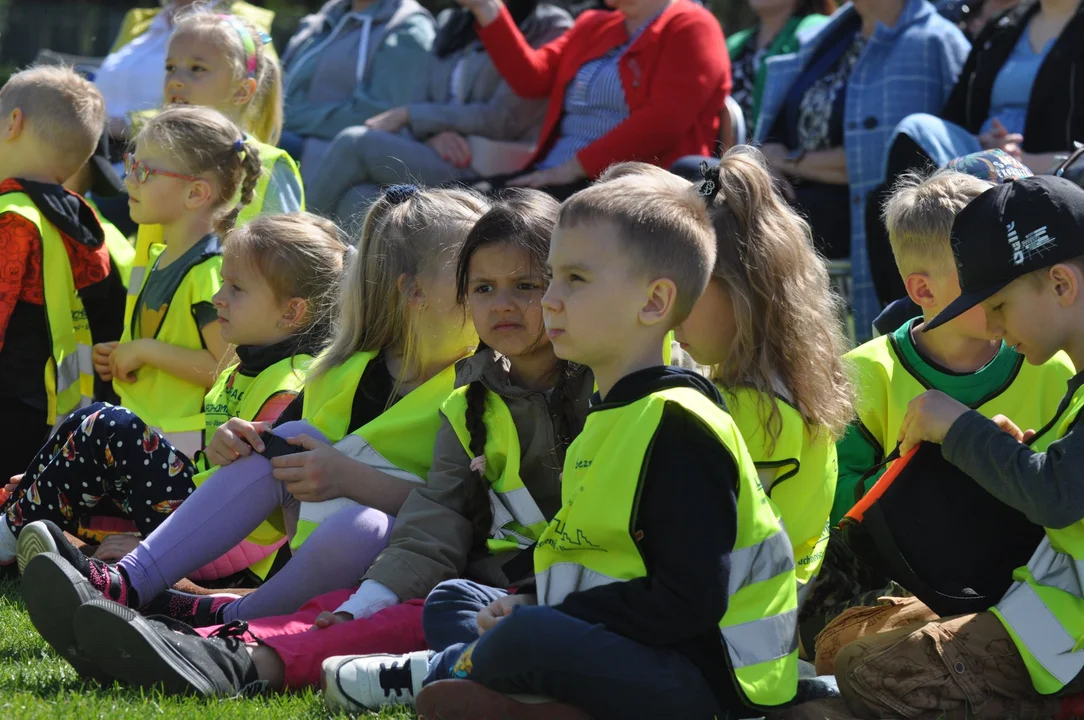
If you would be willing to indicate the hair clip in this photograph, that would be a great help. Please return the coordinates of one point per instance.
(712, 183)
(248, 45)
(239, 146)
(398, 194)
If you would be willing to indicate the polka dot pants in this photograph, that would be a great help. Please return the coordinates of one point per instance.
(102, 454)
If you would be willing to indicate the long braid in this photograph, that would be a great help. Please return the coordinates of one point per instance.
(252, 169)
(567, 421)
(476, 495)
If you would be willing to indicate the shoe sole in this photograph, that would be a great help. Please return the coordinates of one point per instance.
(54, 591)
(118, 640)
(34, 540)
(467, 700)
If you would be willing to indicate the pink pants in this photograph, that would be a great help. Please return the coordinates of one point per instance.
(396, 630)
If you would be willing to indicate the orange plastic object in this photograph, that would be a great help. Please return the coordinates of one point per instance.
(859, 510)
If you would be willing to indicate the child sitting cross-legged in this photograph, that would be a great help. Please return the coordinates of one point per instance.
(665, 584)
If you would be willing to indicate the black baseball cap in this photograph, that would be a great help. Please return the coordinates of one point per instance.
(1011, 230)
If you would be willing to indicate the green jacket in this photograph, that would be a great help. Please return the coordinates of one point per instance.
(785, 42)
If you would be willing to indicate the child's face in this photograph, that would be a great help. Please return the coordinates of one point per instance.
(439, 318)
(946, 288)
(592, 306)
(248, 310)
(1026, 315)
(708, 333)
(199, 73)
(504, 294)
(161, 199)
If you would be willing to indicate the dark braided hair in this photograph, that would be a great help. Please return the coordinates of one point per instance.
(525, 219)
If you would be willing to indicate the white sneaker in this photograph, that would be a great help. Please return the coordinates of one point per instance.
(34, 540)
(369, 682)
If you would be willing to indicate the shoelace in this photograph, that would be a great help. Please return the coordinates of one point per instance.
(396, 678)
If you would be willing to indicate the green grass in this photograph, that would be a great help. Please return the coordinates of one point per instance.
(36, 683)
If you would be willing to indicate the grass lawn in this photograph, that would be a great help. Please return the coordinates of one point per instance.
(36, 683)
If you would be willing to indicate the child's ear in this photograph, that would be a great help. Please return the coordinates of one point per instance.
(919, 290)
(199, 194)
(297, 310)
(245, 90)
(410, 289)
(662, 295)
(14, 125)
(1065, 281)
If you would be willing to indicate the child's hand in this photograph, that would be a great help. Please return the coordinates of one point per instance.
(102, 356)
(235, 439)
(928, 419)
(327, 619)
(1012, 428)
(316, 475)
(500, 609)
(126, 359)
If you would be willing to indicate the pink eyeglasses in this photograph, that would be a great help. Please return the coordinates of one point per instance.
(141, 171)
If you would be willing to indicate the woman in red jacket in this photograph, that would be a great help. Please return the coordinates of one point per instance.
(646, 82)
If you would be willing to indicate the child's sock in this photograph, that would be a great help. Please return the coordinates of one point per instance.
(7, 543)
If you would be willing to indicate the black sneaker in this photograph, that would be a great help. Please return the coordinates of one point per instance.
(162, 653)
(43, 536)
(53, 591)
(193, 610)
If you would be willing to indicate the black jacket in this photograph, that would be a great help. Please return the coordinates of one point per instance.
(1055, 115)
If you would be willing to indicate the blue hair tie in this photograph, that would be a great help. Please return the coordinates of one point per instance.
(397, 194)
(239, 146)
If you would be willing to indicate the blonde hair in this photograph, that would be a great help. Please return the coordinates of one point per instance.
(65, 111)
(298, 255)
(409, 236)
(262, 116)
(664, 225)
(206, 142)
(787, 319)
(919, 217)
(633, 168)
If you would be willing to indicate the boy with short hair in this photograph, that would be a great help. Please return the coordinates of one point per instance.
(1020, 251)
(58, 285)
(665, 585)
(958, 359)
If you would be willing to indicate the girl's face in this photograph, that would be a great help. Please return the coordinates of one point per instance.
(198, 72)
(708, 333)
(162, 199)
(504, 294)
(248, 310)
(438, 318)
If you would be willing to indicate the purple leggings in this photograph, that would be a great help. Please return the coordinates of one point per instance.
(231, 504)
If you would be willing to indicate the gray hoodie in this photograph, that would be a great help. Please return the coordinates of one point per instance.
(343, 67)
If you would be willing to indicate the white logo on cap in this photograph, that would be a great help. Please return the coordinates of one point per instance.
(1031, 245)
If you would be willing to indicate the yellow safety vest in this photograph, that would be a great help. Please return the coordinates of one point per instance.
(589, 543)
(398, 442)
(150, 236)
(69, 372)
(1043, 610)
(238, 395)
(803, 470)
(121, 250)
(167, 403)
(517, 521)
(885, 384)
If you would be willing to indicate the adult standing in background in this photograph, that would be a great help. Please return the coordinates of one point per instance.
(829, 110)
(348, 61)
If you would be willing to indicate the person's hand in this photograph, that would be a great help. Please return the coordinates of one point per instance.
(928, 419)
(452, 147)
(1012, 428)
(999, 138)
(114, 547)
(484, 11)
(235, 439)
(500, 609)
(327, 619)
(102, 357)
(318, 474)
(565, 173)
(126, 359)
(391, 121)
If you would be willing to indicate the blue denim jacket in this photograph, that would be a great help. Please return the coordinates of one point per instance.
(909, 68)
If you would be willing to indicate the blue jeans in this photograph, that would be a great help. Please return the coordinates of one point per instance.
(541, 651)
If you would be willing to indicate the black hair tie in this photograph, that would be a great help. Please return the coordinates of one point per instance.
(709, 189)
(398, 194)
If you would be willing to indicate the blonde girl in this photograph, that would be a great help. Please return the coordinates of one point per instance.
(767, 327)
(371, 414)
(273, 306)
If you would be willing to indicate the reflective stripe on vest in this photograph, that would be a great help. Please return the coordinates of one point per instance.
(1043, 610)
(802, 466)
(589, 543)
(166, 402)
(398, 442)
(517, 521)
(69, 373)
